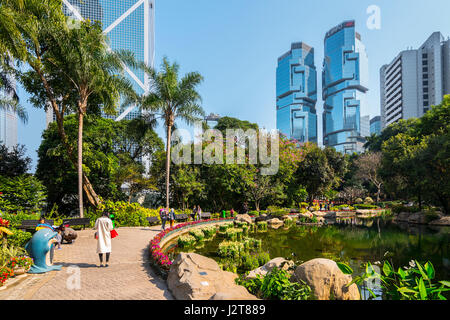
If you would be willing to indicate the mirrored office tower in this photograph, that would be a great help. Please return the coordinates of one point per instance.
(345, 79)
(297, 93)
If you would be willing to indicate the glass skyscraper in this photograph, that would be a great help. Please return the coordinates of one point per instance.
(296, 91)
(345, 79)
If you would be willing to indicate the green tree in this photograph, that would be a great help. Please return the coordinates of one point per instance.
(173, 98)
(13, 162)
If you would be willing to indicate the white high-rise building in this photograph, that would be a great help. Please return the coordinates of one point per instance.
(8, 121)
(415, 80)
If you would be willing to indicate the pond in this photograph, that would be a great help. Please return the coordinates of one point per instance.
(354, 241)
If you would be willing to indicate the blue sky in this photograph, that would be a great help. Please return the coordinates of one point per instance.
(235, 44)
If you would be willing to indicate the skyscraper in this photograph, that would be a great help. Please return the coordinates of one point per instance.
(129, 25)
(345, 80)
(375, 125)
(8, 121)
(297, 93)
(415, 80)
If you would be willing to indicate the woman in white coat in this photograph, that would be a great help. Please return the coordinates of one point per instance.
(103, 227)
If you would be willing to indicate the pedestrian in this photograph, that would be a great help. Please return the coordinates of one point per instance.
(103, 227)
(163, 216)
(172, 217)
(59, 238)
(199, 213)
(232, 212)
(194, 213)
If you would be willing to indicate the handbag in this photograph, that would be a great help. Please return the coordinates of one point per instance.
(114, 233)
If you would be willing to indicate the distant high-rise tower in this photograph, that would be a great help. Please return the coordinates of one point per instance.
(375, 125)
(297, 93)
(345, 82)
(129, 25)
(415, 80)
(8, 121)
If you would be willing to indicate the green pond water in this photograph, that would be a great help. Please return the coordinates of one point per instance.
(354, 241)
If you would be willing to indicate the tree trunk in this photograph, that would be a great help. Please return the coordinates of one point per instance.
(80, 163)
(169, 133)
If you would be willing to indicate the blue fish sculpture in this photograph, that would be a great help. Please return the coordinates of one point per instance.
(39, 247)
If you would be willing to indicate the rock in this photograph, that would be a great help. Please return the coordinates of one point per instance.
(262, 217)
(443, 221)
(403, 216)
(280, 263)
(244, 218)
(286, 217)
(195, 277)
(306, 214)
(417, 218)
(275, 223)
(319, 213)
(230, 296)
(326, 280)
(330, 214)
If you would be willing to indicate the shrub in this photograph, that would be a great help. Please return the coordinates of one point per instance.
(263, 258)
(209, 232)
(368, 200)
(359, 200)
(21, 193)
(398, 208)
(277, 285)
(15, 219)
(126, 214)
(252, 244)
(249, 262)
(271, 209)
(197, 234)
(253, 213)
(186, 241)
(342, 207)
(261, 226)
(19, 238)
(230, 249)
(234, 233)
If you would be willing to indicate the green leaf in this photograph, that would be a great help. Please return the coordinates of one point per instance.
(430, 270)
(422, 290)
(424, 275)
(401, 273)
(445, 283)
(344, 268)
(387, 268)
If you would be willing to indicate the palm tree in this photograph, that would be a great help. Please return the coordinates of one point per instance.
(172, 99)
(93, 74)
(9, 100)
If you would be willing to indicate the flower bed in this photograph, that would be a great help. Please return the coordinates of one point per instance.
(158, 258)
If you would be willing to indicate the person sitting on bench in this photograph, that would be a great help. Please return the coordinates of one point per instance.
(43, 225)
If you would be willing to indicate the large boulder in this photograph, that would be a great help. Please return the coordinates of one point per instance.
(442, 221)
(326, 280)
(275, 223)
(417, 218)
(319, 213)
(244, 218)
(195, 277)
(306, 214)
(280, 263)
(402, 217)
(286, 217)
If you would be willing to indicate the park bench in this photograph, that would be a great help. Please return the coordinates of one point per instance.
(205, 215)
(77, 222)
(31, 224)
(181, 217)
(153, 220)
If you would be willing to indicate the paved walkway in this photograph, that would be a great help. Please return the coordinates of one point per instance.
(128, 277)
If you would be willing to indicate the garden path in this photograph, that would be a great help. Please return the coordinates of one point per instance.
(128, 277)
